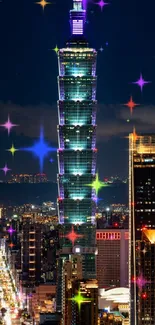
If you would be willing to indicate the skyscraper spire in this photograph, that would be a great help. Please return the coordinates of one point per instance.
(77, 17)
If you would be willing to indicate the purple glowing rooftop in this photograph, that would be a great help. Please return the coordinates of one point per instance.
(78, 17)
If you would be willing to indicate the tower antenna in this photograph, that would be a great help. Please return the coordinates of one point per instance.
(78, 17)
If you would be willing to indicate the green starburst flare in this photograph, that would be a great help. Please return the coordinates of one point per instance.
(79, 299)
(12, 150)
(56, 49)
(97, 184)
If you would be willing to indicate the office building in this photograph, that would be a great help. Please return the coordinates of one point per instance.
(142, 228)
(87, 311)
(112, 257)
(39, 243)
(77, 145)
(31, 250)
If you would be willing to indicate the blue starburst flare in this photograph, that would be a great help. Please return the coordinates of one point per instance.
(40, 149)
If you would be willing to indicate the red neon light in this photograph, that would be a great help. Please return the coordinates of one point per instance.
(108, 235)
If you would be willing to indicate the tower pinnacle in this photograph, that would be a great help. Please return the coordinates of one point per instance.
(77, 17)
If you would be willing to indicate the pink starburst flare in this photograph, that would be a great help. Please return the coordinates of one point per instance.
(141, 82)
(102, 4)
(8, 125)
(11, 230)
(140, 281)
(5, 169)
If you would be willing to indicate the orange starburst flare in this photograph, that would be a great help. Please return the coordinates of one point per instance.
(134, 135)
(131, 105)
(43, 3)
(11, 245)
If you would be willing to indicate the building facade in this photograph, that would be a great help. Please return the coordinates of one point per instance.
(87, 311)
(142, 228)
(77, 143)
(77, 149)
(112, 257)
(31, 250)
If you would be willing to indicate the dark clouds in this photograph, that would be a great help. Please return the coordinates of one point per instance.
(30, 118)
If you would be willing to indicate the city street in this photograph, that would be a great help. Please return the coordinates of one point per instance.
(9, 305)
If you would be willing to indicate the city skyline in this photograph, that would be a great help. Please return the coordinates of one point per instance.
(117, 71)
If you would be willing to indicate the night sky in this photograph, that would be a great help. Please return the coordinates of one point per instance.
(28, 77)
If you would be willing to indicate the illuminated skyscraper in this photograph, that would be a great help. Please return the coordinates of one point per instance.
(77, 143)
(142, 229)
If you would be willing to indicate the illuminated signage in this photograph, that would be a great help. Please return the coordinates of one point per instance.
(110, 235)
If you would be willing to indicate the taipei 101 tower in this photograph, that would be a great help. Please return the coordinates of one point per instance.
(77, 147)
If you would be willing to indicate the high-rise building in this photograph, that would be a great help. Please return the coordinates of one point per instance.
(31, 250)
(112, 257)
(142, 228)
(77, 143)
(87, 311)
(39, 244)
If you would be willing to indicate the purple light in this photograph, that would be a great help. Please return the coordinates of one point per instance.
(141, 82)
(102, 4)
(85, 4)
(5, 169)
(8, 125)
(11, 230)
(77, 27)
(140, 281)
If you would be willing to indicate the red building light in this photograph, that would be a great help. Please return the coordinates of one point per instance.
(144, 295)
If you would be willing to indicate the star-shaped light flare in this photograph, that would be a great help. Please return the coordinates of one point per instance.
(141, 82)
(40, 149)
(97, 184)
(11, 245)
(131, 104)
(43, 3)
(56, 49)
(101, 49)
(8, 125)
(11, 230)
(134, 135)
(73, 236)
(5, 169)
(102, 4)
(79, 300)
(140, 281)
(12, 150)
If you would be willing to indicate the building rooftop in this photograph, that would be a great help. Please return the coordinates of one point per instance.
(116, 295)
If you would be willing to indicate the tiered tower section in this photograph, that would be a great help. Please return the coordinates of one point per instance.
(77, 125)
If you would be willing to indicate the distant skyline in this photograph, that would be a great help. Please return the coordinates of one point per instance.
(28, 82)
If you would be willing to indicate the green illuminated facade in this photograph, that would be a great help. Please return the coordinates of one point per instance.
(77, 144)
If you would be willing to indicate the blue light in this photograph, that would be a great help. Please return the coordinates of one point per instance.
(40, 149)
